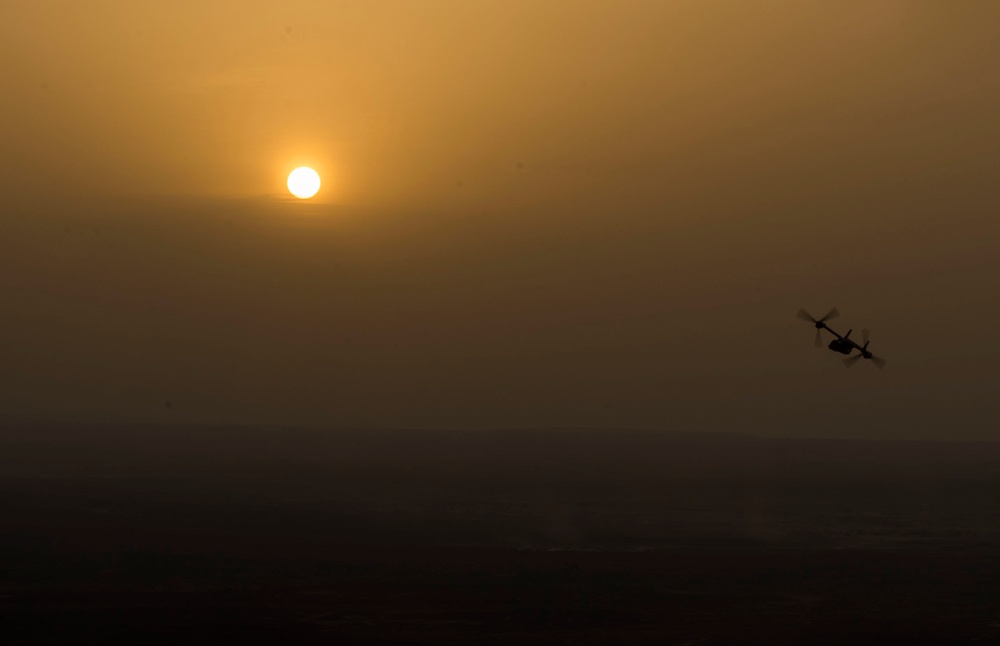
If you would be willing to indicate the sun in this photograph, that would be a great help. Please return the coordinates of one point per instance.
(303, 182)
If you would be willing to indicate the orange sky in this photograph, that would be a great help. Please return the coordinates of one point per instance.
(691, 173)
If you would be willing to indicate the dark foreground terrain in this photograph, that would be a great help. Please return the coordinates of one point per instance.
(159, 535)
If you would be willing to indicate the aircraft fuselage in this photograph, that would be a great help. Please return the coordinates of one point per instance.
(842, 346)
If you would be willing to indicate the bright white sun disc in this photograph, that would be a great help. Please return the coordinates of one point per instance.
(303, 182)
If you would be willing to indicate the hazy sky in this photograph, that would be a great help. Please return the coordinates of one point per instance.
(535, 213)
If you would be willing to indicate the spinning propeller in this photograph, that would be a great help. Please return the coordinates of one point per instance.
(865, 354)
(819, 323)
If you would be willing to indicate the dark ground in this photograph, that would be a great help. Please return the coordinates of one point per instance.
(158, 535)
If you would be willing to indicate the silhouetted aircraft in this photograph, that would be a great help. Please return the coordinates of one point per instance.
(842, 344)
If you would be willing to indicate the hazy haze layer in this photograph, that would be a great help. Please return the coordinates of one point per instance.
(533, 214)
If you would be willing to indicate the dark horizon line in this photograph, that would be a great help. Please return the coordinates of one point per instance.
(313, 428)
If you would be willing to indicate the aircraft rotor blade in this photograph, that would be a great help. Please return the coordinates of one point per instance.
(832, 314)
(818, 342)
(864, 335)
(879, 361)
(850, 361)
(806, 316)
